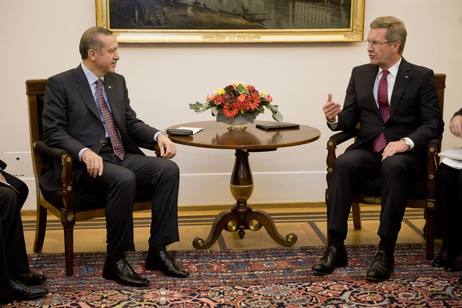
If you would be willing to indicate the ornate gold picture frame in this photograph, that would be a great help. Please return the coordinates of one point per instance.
(232, 21)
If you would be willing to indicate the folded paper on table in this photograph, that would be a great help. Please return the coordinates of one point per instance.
(195, 130)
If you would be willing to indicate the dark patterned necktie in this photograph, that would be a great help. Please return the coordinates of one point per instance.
(108, 120)
(384, 108)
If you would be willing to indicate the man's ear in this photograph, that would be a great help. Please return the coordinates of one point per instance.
(91, 53)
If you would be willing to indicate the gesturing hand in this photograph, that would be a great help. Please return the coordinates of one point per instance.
(94, 163)
(166, 146)
(331, 109)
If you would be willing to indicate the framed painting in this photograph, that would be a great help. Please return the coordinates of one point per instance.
(232, 21)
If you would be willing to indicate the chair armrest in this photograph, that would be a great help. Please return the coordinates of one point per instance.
(44, 149)
(65, 160)
(332, 143)
(341, 137)
(435, 144)
(433, 147)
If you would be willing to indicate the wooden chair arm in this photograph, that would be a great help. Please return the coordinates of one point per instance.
(341, 137)
(54, 153)
(433, 148)
(332, 143)
(65, 160)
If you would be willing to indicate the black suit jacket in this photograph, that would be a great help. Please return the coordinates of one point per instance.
(71, 119)
(414, 107)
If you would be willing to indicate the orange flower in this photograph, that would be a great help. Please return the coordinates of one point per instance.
(230, 110)
(254, 101)
(218, 100)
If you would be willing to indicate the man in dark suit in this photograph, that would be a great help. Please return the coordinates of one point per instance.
(17, 282)
(394, 106)
(87, 112)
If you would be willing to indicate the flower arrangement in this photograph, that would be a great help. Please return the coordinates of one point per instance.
(238, 101)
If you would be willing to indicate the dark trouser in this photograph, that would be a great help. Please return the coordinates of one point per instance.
(13, 256)
(158, 178)
(449, 208)
(359, 165)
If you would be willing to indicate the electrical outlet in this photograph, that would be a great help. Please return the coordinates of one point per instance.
(19, 163)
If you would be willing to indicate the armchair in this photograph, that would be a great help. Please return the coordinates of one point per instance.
(69, 206)
(422, 193)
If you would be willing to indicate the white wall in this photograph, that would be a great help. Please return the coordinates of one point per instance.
(40, 38)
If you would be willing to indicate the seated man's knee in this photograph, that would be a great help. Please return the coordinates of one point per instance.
(126, 178)
(394, 166)
(170, 169)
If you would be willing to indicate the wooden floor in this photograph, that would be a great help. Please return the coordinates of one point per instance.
(307, 221)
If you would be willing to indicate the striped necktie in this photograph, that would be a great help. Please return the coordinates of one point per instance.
(108, 121)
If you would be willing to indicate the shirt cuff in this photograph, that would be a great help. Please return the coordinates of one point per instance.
(157, 136)
(332, 125)
(81, 153)
(409, 142)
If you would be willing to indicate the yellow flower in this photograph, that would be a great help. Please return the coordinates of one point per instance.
(220, 91)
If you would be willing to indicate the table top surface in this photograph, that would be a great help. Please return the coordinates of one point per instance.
(216, 135)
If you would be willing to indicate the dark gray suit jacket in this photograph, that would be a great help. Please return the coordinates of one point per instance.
(71, 119)
(414, 108)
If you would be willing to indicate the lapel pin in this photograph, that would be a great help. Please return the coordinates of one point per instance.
(406, 76)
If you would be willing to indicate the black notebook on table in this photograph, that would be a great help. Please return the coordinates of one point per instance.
(277, 125)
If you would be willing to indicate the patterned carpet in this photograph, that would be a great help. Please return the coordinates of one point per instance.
(253, 278)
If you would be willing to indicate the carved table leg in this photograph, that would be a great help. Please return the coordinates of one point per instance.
(258, 218)
(241, 216)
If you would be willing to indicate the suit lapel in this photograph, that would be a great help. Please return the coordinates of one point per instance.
(85, 91)
(369, 80)
(401, 83)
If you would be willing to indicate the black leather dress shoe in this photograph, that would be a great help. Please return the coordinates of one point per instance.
(122, 272)
(31, 278)
(331, 259)
(22, 292)
(381, 268)
(162, 262)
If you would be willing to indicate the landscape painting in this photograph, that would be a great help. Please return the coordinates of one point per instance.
(232, 20)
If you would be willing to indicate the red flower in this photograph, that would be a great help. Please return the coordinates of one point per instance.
(230, 110)
(219, 100)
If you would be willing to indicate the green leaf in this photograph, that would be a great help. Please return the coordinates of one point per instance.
(198, 107)
(240, 88)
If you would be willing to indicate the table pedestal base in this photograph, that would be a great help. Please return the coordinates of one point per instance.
(242, 217)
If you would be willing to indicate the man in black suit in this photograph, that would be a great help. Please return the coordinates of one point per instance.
(17, 282)
(87, 112)
(394, 105)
